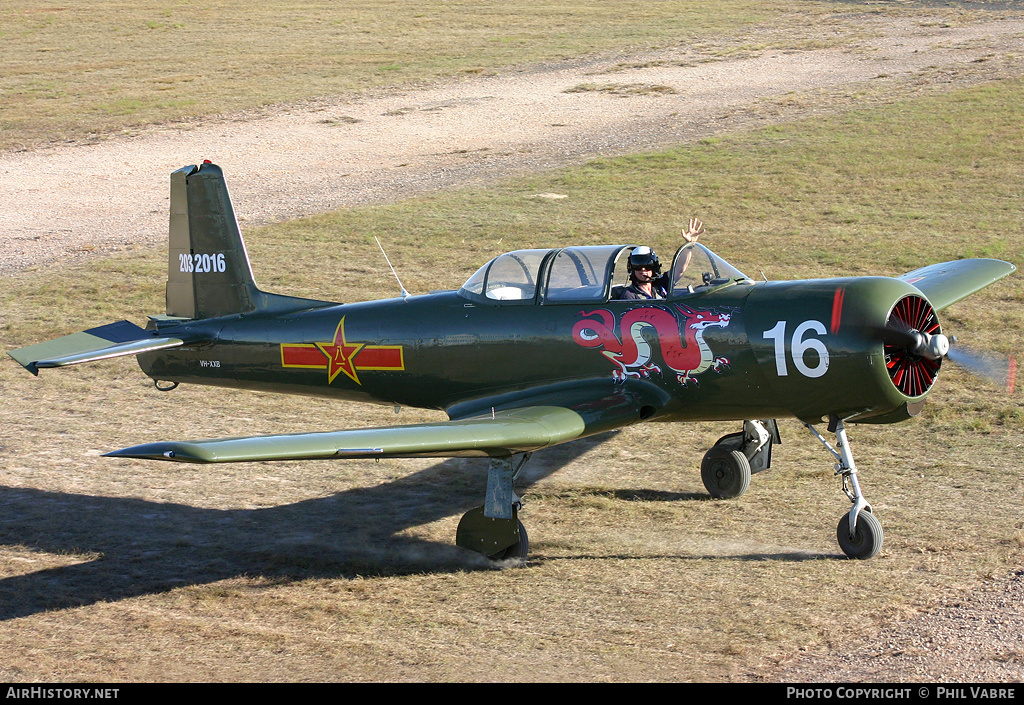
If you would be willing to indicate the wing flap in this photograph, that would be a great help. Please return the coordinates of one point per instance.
(946, 283)
(101, 343)
(501, 433)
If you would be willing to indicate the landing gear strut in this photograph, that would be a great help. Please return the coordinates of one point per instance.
(494, 529)
(859, 532)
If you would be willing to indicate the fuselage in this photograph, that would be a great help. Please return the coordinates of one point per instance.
(740, 350)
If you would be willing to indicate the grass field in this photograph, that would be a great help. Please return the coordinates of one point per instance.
(133, 571)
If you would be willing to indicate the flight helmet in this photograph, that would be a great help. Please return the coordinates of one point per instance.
(644, 256)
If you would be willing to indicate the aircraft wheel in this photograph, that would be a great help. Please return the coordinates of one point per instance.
(498, 539)
(866, 540)
(519, 550)
(725, 472)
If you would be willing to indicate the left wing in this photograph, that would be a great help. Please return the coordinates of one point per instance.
(497, 428)
(503, 433)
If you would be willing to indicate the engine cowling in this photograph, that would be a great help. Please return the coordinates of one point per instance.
(866, 349)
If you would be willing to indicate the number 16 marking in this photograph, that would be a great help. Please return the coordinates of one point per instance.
(799, 345)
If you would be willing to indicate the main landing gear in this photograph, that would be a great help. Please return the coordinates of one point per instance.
(859, 532)
(494, 529)
(728, 465)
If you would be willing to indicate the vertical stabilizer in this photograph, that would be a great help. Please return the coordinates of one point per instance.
(208, 269)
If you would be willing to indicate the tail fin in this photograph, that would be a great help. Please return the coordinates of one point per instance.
(208, 271)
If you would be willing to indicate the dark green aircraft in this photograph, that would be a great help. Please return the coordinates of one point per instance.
(535, 350)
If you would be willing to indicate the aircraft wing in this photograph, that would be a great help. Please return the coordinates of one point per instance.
(496, 428)
(111, 340)
(947, 282)
(499, 434)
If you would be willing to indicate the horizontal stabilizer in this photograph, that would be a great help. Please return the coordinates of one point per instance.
(111, 340)
(946, 283)
(494, 434)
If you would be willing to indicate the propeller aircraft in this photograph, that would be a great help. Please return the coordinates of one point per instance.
(535, 350)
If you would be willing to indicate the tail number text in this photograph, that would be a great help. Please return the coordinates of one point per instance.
(201, 263)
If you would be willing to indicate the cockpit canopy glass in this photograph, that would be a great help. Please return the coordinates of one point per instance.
(696, 266)
(512, 276)
(586, 274)
(580, 273)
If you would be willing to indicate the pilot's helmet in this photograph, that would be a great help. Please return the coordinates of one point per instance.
(644, 256)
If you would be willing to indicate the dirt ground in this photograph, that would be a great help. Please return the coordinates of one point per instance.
(72, 200)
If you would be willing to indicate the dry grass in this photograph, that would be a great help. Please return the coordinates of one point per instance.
(315, 572)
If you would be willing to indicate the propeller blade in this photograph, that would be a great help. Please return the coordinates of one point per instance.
(896, 334)
(1001, 370)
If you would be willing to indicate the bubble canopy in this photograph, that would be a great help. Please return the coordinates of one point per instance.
(588, 274)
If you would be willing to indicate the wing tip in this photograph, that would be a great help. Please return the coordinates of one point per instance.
(175, 452)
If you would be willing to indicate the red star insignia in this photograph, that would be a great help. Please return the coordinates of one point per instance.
(339, 355)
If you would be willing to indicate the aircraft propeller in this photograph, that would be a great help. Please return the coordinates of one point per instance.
(915, 348)
(1000, 370)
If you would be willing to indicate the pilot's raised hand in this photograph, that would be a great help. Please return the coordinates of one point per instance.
(696, 228)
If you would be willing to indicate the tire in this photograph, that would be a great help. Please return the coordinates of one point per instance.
(519, 550)
(866, 540)
(725, 472)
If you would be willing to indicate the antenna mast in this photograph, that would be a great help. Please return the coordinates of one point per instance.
(404, 292)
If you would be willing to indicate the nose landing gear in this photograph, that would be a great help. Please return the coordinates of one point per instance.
(859, 531)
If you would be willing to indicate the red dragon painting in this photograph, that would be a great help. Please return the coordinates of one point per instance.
(678, 332)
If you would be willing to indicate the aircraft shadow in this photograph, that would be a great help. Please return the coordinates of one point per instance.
(142, 547)
(134, 547)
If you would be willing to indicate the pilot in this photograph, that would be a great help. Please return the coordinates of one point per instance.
(645, 278)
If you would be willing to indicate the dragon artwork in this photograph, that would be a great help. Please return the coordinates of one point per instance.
(677, 330)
